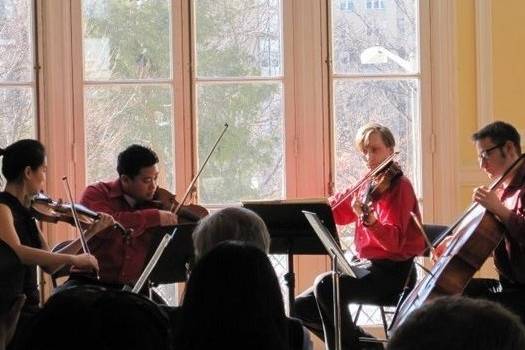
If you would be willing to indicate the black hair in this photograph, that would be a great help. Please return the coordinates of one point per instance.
(134, 158)
(459, 323)
(19, 155)
(99, 318)
(499, 132)
(233, 301)
(11, 277)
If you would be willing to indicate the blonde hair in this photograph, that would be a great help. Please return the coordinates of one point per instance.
(362, 138)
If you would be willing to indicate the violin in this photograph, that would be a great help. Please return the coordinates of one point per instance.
(165, 200)
(381, 182)
(378, 179)
(46, 209)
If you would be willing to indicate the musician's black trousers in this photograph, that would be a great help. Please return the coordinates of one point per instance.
(382, 285)
(510, 295)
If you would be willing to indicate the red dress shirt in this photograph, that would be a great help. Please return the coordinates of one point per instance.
(121, 260)
(509, 256)
(394, 235)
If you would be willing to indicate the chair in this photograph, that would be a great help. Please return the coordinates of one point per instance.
(64, 270)
(434, 234)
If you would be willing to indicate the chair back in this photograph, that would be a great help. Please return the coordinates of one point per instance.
(64, 270)
(433, 233)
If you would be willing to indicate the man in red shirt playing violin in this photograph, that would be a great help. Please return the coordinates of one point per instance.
(498, 147)
(122, 260)
(385, 234)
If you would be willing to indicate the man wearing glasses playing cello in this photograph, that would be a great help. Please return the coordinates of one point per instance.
(498, 147)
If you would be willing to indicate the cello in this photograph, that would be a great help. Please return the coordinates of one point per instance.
(475, 236)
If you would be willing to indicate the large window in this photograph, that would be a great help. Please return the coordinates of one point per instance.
(376, 77)
(238, 80)
(127, 83)
(17, 74)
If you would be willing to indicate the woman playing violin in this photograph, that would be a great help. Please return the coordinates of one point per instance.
(129, 199)
(384, 234)
(24, 168)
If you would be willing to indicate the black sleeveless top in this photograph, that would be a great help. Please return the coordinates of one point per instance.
(28, 234)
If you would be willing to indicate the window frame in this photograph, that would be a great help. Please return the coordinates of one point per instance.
(307, 105)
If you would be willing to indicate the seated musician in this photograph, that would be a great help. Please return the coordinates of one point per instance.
(127, 199)
(498, 146)
(385, 234)
(24, 168)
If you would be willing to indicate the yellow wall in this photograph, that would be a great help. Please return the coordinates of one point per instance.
(508, 67)
(508, 42)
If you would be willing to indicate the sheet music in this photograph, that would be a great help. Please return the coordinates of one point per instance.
(332, 247)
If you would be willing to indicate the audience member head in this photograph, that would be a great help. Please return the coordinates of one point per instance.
(459, 323)
(12, 298)
(233, 301)
(230, 224)
(91, 317)
(25, 161)
(11, 276)
(138, 172)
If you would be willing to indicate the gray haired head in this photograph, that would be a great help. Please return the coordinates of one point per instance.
(230, 224)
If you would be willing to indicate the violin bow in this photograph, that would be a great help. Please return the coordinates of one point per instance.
(423, 233)
(83, 240)
(188, 191)
(82, 237)
(370, 174)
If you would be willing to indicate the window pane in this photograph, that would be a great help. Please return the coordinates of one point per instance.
(393, 103)
(379, 37)
(17, 116)
(126, 39)
(118, 116)
(238, 38)
(16, 40)
(248, 163)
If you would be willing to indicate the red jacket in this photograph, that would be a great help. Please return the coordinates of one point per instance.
(394, 235)
(121, 261)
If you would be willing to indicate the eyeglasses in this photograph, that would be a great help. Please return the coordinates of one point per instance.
(484, 155)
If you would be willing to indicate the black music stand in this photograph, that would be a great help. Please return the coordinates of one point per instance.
(172, 265)
(291, 233)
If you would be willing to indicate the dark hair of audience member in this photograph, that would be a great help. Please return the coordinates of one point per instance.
(91, 317)
(230, 224)
(12, 298)
(459, 323)
(233, 301)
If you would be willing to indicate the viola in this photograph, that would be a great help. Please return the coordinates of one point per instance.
(49, 210)
(165, 200)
